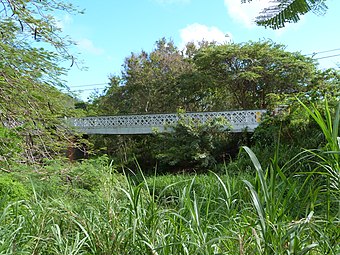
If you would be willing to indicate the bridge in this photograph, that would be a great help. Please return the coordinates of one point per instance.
(147, 123)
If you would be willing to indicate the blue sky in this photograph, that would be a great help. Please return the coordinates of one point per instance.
(110, 30)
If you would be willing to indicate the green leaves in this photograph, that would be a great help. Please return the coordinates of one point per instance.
(328, 126)
(282, 12)
(327, 158)
(162, 214)
(10, 145)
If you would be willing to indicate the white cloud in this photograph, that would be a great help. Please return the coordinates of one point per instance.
(245, 13)
(197, 32)
(88, 45)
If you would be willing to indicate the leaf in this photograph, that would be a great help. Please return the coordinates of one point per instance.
(308, 248)
(336, 124)
(288, 11)
(259, 171)
(258, 206)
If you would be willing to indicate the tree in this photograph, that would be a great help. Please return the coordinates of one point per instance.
(164, 80)
(210, 77)
(30, 103)
(151, 82)
(288, 11)
(326, 84)
(243, 75)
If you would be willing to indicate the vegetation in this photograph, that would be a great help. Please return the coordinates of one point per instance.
(268, 211)
(279, 196)
(30, 103)
(242, 75)
(212, 77)
(206, 78)
(191, 144)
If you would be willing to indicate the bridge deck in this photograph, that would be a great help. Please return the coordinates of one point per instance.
(145, 124)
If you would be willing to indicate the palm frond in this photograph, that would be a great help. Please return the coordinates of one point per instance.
(282, 12)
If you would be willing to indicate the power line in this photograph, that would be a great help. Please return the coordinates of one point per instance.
(320, 52)
(330, 56)
(89, 85)
(82, 90)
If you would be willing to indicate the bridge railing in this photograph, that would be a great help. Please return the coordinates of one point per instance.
(145, 124)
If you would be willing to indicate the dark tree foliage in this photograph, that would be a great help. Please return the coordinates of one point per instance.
(191, 145)
(326, 83)
(206, 78)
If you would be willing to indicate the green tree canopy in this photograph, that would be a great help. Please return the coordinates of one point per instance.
(150, 82)
(242, 75)
(208, 77)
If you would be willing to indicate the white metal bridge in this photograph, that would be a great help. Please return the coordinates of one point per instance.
(147, 123)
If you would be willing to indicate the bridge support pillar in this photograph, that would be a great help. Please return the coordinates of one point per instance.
(77, 150)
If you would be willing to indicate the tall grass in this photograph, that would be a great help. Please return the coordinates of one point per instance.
(271, 211)
(327, 160)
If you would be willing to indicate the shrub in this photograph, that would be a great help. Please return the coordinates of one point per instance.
(287, 133)
(11, 189)
(191, 144)
(10, 145)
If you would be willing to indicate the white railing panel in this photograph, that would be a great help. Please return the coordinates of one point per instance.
(143, 124)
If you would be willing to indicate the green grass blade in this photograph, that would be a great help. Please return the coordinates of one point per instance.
(226, 190)
(308, 248)
(316, 115)
(259, 171)
(336, 124)
(258, 206)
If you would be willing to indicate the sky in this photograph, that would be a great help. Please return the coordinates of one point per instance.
(110, 30)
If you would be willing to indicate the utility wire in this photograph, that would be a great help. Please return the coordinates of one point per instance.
(330, 56)
(320, 52)
(89, 85)
(81, 90)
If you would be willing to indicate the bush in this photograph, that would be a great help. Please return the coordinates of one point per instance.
(10, 145)
(288, 133)
(11, 189)
(191, 144)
